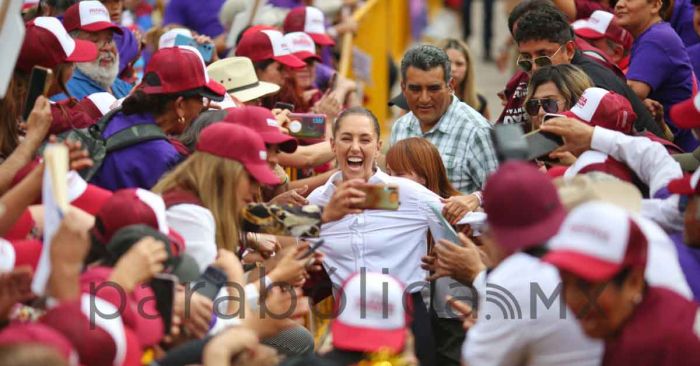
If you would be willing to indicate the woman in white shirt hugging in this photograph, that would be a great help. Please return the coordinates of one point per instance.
(382, 241)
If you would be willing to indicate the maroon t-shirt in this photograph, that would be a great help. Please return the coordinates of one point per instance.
(662, 331)
(515, 93)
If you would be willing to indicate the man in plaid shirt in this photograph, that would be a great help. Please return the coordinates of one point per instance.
(459, 132)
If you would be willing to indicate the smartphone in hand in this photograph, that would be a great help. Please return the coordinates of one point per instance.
(307, 125)
(163, 286)
(39, 82)
(380, 196)
(206, 50)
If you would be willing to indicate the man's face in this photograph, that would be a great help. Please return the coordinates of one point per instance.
(105, 45)
(558, 54)
(427, 94)
(114, 7)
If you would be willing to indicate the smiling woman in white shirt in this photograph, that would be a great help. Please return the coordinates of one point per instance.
(382, 241)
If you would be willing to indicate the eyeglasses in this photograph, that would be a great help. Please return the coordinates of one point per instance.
(532, 106)
(541, 61)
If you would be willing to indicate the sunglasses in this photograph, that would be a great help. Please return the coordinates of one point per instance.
(541, 61)
(549, 105)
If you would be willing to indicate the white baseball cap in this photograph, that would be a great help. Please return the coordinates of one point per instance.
(596, 241)
(301, 45)
(267, 44)
(168, 38)
(371, 314)
(89, 16)
(309, 20)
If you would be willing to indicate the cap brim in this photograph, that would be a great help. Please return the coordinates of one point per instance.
(305, 55)
(689, 162)
(584, 266)
(290, 61)
(685, 114)
(322, 39)
(85, 51)
(213, 91)
(100, 26)
(399, 101)
(262, 89)
(681, 186)
(350, 338)
(287, 143)
(530, 235)
(262, 173)
(589, 33)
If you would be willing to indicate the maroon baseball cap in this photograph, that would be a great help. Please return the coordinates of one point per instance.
(686, 114)
(134, 206)
(179, 70)
(264, 123)
(265, 45)
(41, 334)
(239, 143)
(46, 43)
(522, 206)
(88, 16)
(309, 20)
(600, 107)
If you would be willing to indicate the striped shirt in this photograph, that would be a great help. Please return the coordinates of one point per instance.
(463, 138)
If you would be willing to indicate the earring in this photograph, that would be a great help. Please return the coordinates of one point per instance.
(637, 299)
(181, 120)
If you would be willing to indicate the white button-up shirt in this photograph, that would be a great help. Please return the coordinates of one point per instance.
(377, 240)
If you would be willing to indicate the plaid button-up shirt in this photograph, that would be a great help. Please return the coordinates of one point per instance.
(462, 136)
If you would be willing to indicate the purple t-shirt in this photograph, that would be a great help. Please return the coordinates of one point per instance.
(694, 55)
(139, 165)
(659, 59)
(202, 16)
(127, 46)
(689, 259)
(682, 22)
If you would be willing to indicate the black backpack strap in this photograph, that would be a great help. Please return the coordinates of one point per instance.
(99, 126)
(134, 135)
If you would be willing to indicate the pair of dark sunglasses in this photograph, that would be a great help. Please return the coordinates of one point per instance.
(541, 61)
(532, 106)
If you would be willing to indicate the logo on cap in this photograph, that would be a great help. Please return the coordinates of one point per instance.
(582, 101)
(263, 154)
(98, 11)
(272, 122)
(601, 235)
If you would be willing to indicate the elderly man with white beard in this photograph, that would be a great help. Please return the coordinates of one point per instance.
(89, 20)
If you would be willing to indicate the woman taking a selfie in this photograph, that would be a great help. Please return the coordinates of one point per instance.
(378, 239)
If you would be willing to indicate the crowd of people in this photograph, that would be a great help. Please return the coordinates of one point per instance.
(231, 202)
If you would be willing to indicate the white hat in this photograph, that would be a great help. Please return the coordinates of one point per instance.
(371, 314)
(596, 241)
(237, 75)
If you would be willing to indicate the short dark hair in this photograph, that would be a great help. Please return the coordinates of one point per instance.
(525, 7)
(356, 111)
(426, 57)
(546, 23)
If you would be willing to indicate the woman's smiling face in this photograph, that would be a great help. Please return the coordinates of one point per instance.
(356, 146)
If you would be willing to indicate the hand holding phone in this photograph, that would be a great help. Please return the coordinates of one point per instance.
(380, 196)
(206, 50)
(283, 106)
(312, 248)
(541, 143)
